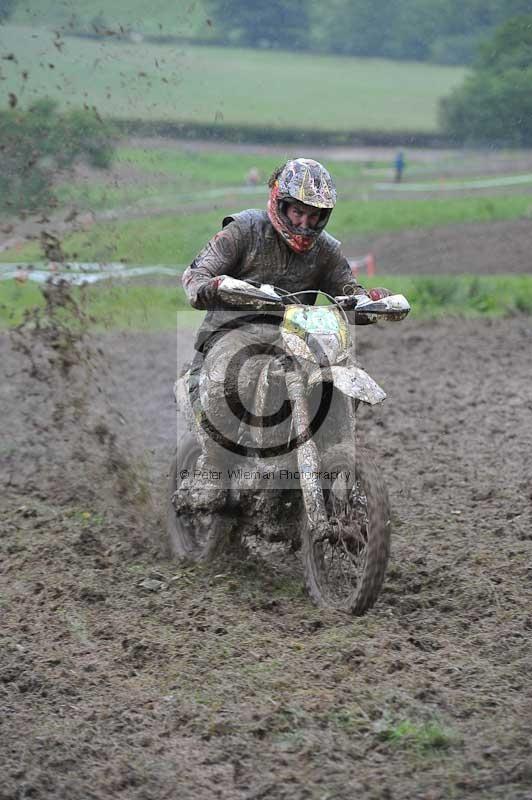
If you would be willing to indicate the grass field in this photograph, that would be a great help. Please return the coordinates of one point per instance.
(169, 177)
(223, 85)
(113, 305)
(175, 239)
(215, 169)
(118, 305)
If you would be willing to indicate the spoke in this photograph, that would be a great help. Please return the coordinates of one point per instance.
(343, 547)
(342, 562)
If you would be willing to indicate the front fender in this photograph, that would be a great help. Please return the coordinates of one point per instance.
(351, 381)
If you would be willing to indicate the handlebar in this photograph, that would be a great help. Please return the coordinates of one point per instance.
(265, 296)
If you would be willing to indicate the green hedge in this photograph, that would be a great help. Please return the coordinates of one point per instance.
(138, 305)
(37, 142)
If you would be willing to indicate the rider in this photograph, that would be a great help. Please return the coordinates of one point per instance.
(286, 246)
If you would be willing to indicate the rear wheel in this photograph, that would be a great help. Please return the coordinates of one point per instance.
(345, 565)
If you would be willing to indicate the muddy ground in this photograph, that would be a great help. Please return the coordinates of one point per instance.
(481, 248)
(125, 675)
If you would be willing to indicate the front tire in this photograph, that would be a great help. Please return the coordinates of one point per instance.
(345, 567)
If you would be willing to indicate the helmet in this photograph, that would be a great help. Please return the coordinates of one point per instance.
(308, 182)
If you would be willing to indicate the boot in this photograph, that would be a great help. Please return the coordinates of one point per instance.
(205, 490)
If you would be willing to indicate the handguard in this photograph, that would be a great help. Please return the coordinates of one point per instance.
(393, 308)
(235, 292)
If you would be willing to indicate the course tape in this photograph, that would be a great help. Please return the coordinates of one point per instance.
(78, 273)
(449, 186)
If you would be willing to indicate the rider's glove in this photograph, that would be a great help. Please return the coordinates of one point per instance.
(378, 293)
(350, 297)
(208, 294)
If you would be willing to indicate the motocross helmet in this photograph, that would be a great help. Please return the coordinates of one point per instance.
(306, 181)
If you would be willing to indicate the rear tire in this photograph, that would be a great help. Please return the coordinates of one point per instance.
(345, 568)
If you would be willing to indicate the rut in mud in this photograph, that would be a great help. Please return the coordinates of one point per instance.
(125, 675)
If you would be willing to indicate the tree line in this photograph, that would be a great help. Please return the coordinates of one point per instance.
(443, 31)
(494, 105)
(6, 9)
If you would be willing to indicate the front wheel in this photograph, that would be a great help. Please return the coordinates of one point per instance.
(345, 564)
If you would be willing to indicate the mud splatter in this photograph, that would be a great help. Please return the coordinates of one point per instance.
(70, 440)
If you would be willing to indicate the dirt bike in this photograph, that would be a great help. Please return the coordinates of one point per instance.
(336, 509)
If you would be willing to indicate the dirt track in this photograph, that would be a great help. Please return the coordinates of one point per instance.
(483, 248)
(230, 684)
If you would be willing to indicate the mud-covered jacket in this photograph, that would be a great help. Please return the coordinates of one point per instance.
(249, 248)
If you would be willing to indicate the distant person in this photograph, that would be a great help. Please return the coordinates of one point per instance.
(399, 165)
(253, 177)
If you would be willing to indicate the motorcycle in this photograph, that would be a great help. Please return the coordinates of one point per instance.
(334, 507)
